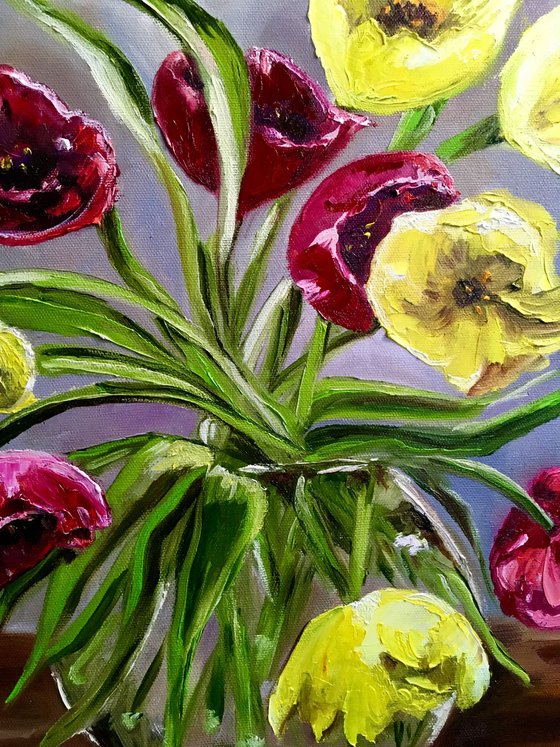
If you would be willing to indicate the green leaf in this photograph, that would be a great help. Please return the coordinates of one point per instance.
(59, 360)
(273, 330)
(496, 480)
(462, 440)
(250, 727)
(457, 508)
(313, 365)
(125, 392)
(134, 274)
(230, 514)
(480, 136)
(318, 542)
(99, 458)
(339, 398)
(72, 314)
(155, 527)
(17, 589)
(415, 126)
(139, 485)
(338, 339)
(253, 276)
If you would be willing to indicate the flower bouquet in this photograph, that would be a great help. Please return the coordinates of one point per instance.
(308, 514)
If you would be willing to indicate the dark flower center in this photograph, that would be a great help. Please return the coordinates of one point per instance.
(21, 168)
(28, 531)
(396, 15)
(471, 292)
(292, 125)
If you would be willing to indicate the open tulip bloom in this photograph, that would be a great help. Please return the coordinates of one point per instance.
(293, 481)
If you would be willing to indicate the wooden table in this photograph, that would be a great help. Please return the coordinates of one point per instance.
(510, 715)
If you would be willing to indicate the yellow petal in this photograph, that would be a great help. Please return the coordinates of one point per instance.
(454, 286)
(529, 100)
(381, 70)
(17, 371)
(394, 653)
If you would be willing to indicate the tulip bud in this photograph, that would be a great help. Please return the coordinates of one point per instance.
(295, 131)
(394, 653)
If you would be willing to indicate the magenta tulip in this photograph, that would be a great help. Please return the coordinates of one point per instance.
(295, 130)
(525, 559)
(334, 238)
(57, 167)
(45, 503)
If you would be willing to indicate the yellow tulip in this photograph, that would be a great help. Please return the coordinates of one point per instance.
(17, 371)
(396, 653)
(529, 100)
(387, 56)
(458, 288)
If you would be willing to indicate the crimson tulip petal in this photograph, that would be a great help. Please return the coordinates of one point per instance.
(45, 502)
(335, 236)
(525, 559)
(58, 171)
(295, 130)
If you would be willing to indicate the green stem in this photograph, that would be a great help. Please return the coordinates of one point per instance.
(288, 379)
(361, 540)
(415, 126)
(482, 135)
(187, 241)
(313, 365)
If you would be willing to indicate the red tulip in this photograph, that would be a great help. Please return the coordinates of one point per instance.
(45, 502)
(525, 559)
(334, 238)
(57, 167)
(295, 130)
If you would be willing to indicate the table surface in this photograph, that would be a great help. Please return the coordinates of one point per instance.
(509, 714)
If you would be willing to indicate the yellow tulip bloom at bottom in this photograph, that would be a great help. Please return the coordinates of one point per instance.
(393, 654)
(454, 286)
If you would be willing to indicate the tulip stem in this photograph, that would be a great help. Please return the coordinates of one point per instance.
(482, 135)
(415, 126)
(313, 364)
(361, 539)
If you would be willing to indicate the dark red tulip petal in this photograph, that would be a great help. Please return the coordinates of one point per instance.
(45, 502)
(183, 117)
(295, 130)
(334, 237)
(57, 167)
(525, 560)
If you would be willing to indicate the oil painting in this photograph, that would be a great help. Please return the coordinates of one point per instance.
(279, 373)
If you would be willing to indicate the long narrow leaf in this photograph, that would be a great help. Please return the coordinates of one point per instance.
(231, 513)
(338, 398)
(134, 274)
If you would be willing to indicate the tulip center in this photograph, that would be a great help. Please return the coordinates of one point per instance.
(472, 292)
(410, 14)
(290, 124)
(21, 168)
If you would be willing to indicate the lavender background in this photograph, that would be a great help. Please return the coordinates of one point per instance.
(145, 211)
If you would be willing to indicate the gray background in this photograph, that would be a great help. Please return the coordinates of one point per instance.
(144, 208)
